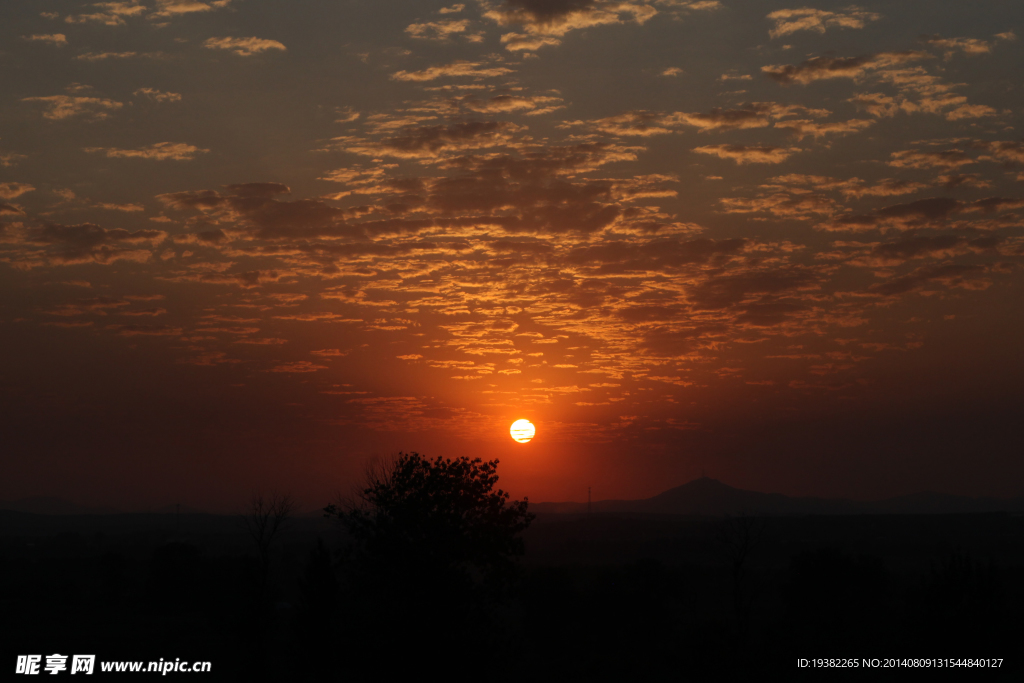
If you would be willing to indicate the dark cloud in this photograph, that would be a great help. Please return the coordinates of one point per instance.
(656, 254)
(920, 246)
(921, 213)
(547, 10)
(949, 275)
(724, 291)
(87, 242)
(819, 68)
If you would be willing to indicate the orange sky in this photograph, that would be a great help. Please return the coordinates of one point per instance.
(249, 245)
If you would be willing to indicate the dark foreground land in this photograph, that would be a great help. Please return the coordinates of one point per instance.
(598, 597)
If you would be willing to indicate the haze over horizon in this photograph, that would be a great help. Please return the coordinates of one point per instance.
(248, 245)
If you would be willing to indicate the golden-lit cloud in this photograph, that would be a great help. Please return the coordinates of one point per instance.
(461, 69)
(950, 159)
(172, 8)
(802, 128)
(531, 105)
(161, 151)
(245, 47)
(789, 21)
(61, 107)
(967, 46)
(438, 30)
(55, 244)
(749, 154)
(57, 39)
(820, 68)
(13, 190)
(545, 22)
(108, 13)
(158, 95)
(100, 56)
(753, 115)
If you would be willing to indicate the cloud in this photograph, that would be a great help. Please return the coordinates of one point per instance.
(877, 104)
(725, 291)
(109, 13)
(935, 100)
(681, 7)
(437, 30)
(949, 275)
(635, 123)
(172, 8)
(948, 160)
(89, 243)
(747, 154)
(8, 159)
(244, 46)
(852, 187)
(617, 257)
(781, 205)
(1002, 151)
(256, 207)
(950, 181)
(924, 246)
(100, 56)
(428, 142)
(672, 71)
(801, 128)
(789, 21)
(300, 366)
(61, 107)
(922, 213)
(970, 111)
(819, 68)
(161, 151)
(13, 190)
(968, 46)
(158, 95)
(461, 69)
(58, 39)
(531, 105)
(753, 115)
(545, 22)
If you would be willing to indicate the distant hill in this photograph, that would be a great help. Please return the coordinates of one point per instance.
(44, 505)
(707, 496)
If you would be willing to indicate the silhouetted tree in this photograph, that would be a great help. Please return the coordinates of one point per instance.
(735, 540)
(961, 601)
(432, 550)
(266, 517)
(439, 515)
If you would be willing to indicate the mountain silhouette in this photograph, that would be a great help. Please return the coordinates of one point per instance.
(707, 496)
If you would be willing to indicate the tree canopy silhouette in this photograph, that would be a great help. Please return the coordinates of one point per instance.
(430, 561)
(435, 517)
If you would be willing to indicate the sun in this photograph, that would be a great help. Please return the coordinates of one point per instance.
(522, 430)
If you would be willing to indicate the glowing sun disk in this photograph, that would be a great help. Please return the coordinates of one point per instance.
(522, 430)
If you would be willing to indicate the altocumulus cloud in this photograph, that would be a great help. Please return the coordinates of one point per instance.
(52, 38)
(749, 154)
(244, 46)
(177, 151)
(59, 107)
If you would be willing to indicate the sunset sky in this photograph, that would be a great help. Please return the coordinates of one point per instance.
(250, 245)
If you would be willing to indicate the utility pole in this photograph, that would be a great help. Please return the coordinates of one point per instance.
(588, 500)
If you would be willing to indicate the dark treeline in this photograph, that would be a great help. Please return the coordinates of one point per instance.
(596, 597)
